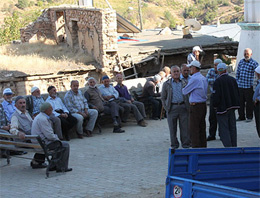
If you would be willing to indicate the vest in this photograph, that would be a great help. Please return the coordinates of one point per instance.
(25, 124)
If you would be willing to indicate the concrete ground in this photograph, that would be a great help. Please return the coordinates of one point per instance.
(128, 165)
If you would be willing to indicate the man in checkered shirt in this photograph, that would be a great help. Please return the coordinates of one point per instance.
(245, 79)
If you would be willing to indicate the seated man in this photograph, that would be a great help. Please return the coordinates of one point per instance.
(4, 128)
(60, 111)
(109, 93)
(8, 105)
(21, 124)
(33, 103)
(136, 107)
(97, 102)
(150, 95)
(77, 104)
(42, 127)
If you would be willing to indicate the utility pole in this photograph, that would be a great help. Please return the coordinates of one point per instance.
(140, 14)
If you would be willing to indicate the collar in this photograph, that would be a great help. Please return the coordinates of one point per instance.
(120, 85)
(173, 81)
(75, 93)
(18, 111)
(48, 117)
(7, 103)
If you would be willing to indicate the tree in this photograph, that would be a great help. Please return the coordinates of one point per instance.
(22, 4)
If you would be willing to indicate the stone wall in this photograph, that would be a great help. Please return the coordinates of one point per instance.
(91, 30)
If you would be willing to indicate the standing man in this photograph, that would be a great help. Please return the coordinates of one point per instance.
(256, 99)
(8, 104)
(176, 105)
(211, 77)
(33, 103)
(197, 88)
(137, 107)
(77, 104)
(41, 126)
(185, 73)
(226, 100)
(195, 55)
(61, 112)
(245, 78)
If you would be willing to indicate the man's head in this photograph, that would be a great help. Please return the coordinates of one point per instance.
(92, 82)
(216, 62)
(74, 85)
(106, 80)
(46, 108)
(162, 74)
(185, 70)
(8, 94)
(222, 68)
(157, 78)
(20, 104)
(52, 91)
(119, 78)
(248, 53)
(175, 72)
(35, 91)
(167, 70)
(196, 50)
(257, 72)
(194, 66)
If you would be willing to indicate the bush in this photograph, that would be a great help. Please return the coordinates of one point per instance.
(237, 8)
(22, 4)
(168, 16)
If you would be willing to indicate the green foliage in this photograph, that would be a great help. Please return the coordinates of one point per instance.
(31, 4)
(237, 8)
(22, 4)
(209, 16)
(39, 3)
(168, 16)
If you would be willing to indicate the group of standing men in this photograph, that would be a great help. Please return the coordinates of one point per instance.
(186, 101)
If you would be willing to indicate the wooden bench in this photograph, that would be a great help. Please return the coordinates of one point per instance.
(32, 143)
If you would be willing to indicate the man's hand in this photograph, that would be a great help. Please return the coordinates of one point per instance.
(64, 115)
(86, 111)
(21, 135)
(129, 101)
(6, 128)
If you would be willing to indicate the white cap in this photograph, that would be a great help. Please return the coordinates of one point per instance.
(194, 63)
(257, 70)
(197, 48)
(217, 61)
(34, 89)
(7, 91)
(221, 67)
(157, 77)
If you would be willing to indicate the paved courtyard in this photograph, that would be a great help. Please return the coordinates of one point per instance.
(128, 165)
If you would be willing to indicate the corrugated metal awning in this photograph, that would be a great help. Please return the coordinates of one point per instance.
(124, 26)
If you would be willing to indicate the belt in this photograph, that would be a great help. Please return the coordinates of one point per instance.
(177, 103)
(195, 103)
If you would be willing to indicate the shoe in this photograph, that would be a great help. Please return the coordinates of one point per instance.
(142, 123)
(87, 133)
(249, 120)
(240, 119)
(80, 136)
(37, 165)
(118, 130)
(155, 118)
(186, 146)
(175, 147)
(124, 121)
(67, 137)
(209, 138)
(115, 123)
(67, 170)
(52, 168)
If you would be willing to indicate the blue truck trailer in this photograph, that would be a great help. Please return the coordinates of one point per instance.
(213, 173)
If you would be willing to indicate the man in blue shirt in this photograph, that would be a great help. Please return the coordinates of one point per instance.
(211, 77)
(245, 79)
(194, 55)
(8, 105)
(256, 99)
(197, 88)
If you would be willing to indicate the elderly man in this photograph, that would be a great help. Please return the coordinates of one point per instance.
(167, 71)
(60, 111)
(256, 99)
(137, 107)
(21, 125)
(185, 73)
(195, 55)
(42, 127)
(226, 100)
(97, 102)
(197, 88)
(109, 93)
(245, 78)
(211, 77)
(8, 105)
(77, 104)
(33, 103)
(150, 95)
(176, 105)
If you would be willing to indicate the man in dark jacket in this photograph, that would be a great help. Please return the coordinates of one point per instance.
(226, 100)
